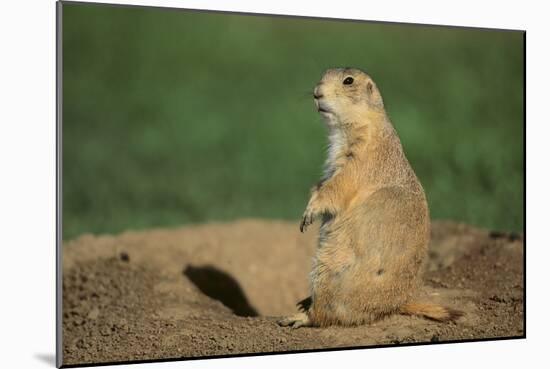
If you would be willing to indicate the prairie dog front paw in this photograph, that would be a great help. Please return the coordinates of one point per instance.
(311, 212)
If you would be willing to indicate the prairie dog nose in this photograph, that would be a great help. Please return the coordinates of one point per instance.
(317, 92)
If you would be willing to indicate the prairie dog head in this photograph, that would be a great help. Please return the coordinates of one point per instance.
(346, 96)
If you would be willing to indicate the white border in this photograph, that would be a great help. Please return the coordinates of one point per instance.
(27, 187)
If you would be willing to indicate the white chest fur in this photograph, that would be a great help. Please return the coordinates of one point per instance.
(336, 145)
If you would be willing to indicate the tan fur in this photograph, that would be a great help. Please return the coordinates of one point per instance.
(375, 222)
(430, 311)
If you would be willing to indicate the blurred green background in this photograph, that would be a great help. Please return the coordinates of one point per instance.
(173, 117)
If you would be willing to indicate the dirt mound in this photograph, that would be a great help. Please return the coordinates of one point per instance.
(217, 289)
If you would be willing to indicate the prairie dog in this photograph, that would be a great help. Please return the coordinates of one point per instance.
(375, 221)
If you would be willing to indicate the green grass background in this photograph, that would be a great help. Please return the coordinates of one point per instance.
(174, 117)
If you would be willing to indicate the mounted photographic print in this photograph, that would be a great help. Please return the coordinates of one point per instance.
(237, 184)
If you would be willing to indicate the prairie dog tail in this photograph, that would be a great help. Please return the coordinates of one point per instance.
(431, 311)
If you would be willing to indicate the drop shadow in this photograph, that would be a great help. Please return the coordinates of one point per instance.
(46, 358)
(220, 286)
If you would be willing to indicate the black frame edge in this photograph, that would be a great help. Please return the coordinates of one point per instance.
(58, 180)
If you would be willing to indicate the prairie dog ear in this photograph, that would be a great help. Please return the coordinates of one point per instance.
(375, 98)
(370, 87)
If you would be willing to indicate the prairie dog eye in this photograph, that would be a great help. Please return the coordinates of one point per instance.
(348, 81)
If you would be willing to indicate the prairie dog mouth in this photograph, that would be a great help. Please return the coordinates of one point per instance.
(321, 108)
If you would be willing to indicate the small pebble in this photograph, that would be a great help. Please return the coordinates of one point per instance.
(93, 314)
(124, 256)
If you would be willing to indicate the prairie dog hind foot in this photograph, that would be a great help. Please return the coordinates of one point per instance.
(295, 321)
